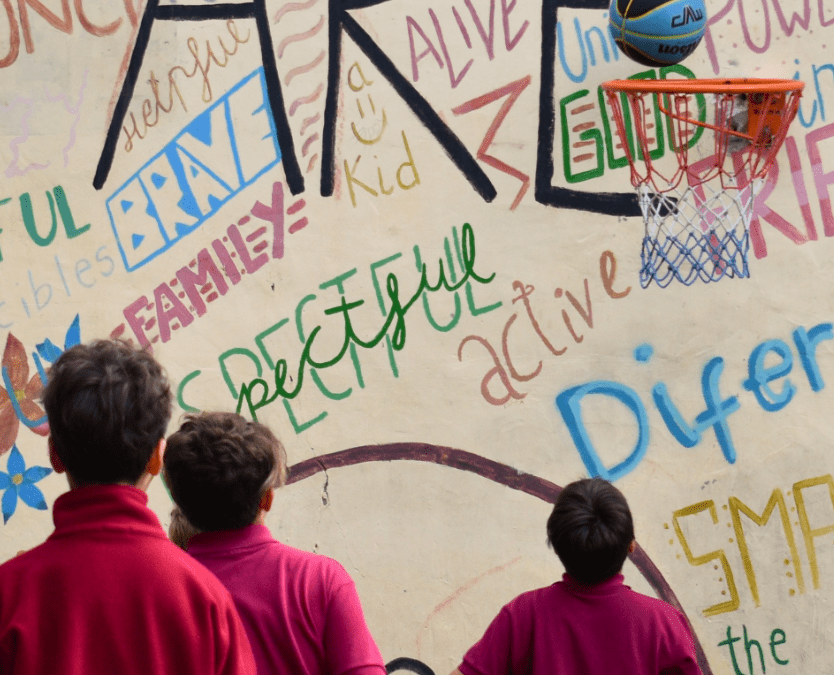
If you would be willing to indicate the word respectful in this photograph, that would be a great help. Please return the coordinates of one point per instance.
(395, 317)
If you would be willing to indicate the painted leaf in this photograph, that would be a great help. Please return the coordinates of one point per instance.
(48, 350)
(9, 424)
(15, 363)
(73, 333)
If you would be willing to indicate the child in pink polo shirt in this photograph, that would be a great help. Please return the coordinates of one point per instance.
(300, 610)
(589, 623)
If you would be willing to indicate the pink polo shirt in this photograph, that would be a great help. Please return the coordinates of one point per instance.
(300, 610)
(570, 628)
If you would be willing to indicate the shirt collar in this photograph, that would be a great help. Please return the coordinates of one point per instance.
(224, 541)
(608, 587)
(99, 506)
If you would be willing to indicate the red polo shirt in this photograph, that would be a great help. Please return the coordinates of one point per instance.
(108, 594)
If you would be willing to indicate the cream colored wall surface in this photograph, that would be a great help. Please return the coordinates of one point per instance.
(150, 194)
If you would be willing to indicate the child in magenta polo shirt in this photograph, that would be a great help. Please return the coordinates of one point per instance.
(107, 592)
(589, 623)
(300, 610)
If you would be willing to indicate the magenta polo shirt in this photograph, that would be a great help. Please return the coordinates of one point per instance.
(300, 610)
(571, 628)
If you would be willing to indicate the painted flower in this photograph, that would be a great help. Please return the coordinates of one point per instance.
(20, 482)
(17, 400)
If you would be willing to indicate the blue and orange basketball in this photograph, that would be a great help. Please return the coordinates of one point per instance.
(657, 32)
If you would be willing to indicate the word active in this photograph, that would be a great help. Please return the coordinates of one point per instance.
(193, 176)
(510, 374)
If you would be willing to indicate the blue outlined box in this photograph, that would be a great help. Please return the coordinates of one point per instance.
(193, 176)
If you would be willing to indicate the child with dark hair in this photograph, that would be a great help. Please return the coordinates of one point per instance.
(107, 592)
(589, 623)
(301, 610)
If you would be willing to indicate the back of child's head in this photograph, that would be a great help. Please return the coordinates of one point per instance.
(219, 465)
(108, 406)
(591, 530)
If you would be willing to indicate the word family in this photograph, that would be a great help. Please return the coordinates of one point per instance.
(208, 275)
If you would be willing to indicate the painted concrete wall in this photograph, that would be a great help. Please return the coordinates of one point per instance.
(147, 192)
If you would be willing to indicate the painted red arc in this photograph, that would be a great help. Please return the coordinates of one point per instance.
(494, 471)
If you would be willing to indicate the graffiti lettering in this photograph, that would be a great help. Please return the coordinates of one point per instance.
(396, 318)
(718, 409)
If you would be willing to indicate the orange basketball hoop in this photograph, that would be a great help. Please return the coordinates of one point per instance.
(697, 206)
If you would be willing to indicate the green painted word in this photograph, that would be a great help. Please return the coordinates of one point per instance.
(395, 318)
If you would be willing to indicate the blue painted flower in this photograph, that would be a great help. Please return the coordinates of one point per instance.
(20, 482)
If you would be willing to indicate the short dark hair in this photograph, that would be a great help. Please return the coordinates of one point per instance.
(219, 465)
(108, 405)
(591, 530)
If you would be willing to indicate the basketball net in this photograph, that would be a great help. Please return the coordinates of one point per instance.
(697, 198)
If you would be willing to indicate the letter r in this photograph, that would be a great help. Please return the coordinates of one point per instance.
(568, 403)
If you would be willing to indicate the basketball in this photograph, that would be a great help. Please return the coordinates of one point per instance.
(657, 32)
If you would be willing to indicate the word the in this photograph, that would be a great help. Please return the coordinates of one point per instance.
(368, 134)
(736, 507)
(262, 357)
(195, 174)
(487, 37)
(209, 281)
(27, 212)
(202, 67)
(59, 275)
(608, 273)
(63, 23)
(396, 318)
(761, 383)
(777, 637)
